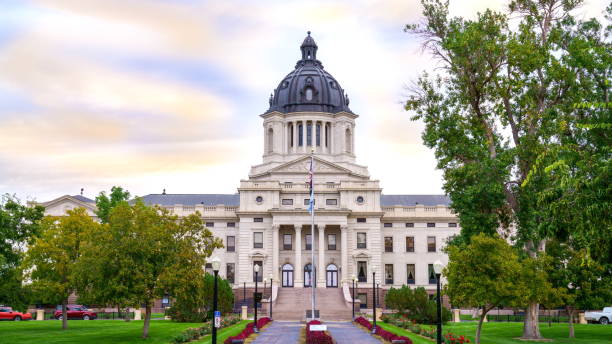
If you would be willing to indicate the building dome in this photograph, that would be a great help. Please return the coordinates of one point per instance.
(309, 88)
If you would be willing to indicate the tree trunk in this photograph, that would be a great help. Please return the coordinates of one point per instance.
(64, 315)
(147, 321)
(480, 321)
(571, 323)
(531, 328)
(127, 314)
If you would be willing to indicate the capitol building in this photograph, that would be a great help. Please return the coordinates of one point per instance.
(358, 230)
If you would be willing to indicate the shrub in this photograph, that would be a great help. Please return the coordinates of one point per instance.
(317, 337)
(416, 304)
(194, 302)
(384, 334)
(450, 338)
(248, 330)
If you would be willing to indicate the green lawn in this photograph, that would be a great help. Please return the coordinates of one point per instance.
(506, 332)
(226, 332)
(95, 331)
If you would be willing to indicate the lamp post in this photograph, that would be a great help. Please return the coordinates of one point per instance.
(354, 280)
(438, 270)
(374, 298)
(271, 294)
(256, 268)
(216, 264)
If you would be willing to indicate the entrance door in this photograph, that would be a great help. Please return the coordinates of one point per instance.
(287, 275)
(308, 276)
(332, 276)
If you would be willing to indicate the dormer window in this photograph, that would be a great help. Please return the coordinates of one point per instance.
(309, 94)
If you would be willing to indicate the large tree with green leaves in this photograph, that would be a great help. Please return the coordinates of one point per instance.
(504, 94)
(19, 226)
(144, 253)
(105, 204)
(51, 260)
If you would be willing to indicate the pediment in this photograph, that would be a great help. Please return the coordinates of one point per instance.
(361, 255)
(302, 165)
(70, 201)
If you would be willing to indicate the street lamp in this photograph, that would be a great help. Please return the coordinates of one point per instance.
(374, 298)
(216, 264)
(354, 280)
(438, 270)
(271, 294)
(256, 268)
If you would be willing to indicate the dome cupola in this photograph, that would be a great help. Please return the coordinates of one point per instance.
(309, 88)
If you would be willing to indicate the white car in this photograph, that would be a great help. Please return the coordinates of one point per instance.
(602, 317)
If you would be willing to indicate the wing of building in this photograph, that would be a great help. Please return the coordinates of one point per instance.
(358, 230)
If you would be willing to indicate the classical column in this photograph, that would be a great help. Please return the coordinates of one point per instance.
(304, 137)
(295, 140)
(298, 269)
(321, 252)
(275, 251)
(344, 252)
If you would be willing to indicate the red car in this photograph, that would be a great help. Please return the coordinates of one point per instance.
(76, 312)
(7, 313)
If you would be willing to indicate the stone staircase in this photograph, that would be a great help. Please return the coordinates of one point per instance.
(292, 303)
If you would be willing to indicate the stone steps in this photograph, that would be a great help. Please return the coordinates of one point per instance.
(292, 304)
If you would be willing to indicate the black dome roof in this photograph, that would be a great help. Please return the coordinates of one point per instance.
(308, 87)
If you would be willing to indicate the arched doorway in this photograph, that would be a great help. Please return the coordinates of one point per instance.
(308, 275)
(287, 275)
(332, 276)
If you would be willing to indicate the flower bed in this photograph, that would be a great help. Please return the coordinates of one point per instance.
(450, 338)
(384, 334)
(248, 330)
(196, 333)
(317, 337)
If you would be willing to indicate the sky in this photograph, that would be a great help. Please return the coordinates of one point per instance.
(153, 94)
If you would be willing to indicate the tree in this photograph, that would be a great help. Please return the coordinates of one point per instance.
(105, 204)
(415, 303)
(501, 99)
(194, 300)
(145, 253)
(50, 261)
(484, 273)
(19, 225)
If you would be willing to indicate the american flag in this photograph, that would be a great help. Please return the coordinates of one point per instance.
(310, 183)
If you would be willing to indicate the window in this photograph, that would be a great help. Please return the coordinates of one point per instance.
(258, 240)
(208, 268)
(388, 273)
(165, 303)
(326, 135)
(260, 273)
(270, 140)
(409, 224)
(452, 224)
(308, 134)
(331, 242)
(230, 243)
(318, 134)
(290, 134)
(388, 224)
(363, 299)
(230, 269)
(431, 244)
(287, 201)
(258, 199)
(210, 224)
(300, 135)
(361, 240)
(231, 224)
(307, 201)
(431, 224)
(361, 220)
(432, 274)
(359, 199)
(258, 219)
(308, 242)
(409, 244)
(388, 244)
(287, 242)
(331, 201)
(410, 273)
(362, 271)
(348, 140)
(309, 93)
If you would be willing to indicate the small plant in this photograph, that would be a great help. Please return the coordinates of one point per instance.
(450, 338)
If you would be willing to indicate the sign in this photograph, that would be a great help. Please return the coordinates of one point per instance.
(217, 319)
(318, 327)
(257, 297)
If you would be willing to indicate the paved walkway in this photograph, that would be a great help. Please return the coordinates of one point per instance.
(347, 333)
(280, 332)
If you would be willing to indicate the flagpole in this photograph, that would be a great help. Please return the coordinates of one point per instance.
(312, 236)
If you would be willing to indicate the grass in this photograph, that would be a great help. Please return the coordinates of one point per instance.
(95, 331)
(225, 332)
(416, 339)
(507, 332)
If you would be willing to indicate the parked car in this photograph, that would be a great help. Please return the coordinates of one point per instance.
(602, 317)
(76, 312)
(7, 313)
